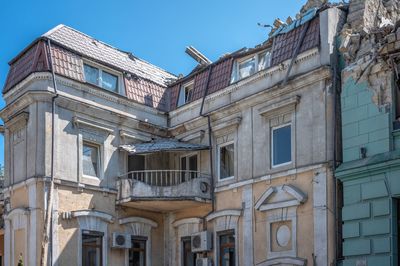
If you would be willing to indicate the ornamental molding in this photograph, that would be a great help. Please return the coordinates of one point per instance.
(95, 214)
(136, 219)
(217, 214)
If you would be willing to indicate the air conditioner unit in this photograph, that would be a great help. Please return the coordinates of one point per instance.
(203, 262)
(201, 241)
(120, 240)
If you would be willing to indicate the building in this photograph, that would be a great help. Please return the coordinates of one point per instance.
(370, 45)
(110, 160)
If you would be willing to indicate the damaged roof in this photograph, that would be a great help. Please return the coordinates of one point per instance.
(162, 145)
(92, 48)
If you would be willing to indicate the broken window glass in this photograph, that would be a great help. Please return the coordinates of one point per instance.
(247, 68)
(264, 59)
(90, 159)
(226, 161)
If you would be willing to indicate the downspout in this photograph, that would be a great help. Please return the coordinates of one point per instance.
(210, 145)
(47, 249)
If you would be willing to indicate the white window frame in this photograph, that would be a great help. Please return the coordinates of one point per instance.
(99, 160)
(182, 92)
(256, 61)
(120, 83)
(272, 145)
(219, 161)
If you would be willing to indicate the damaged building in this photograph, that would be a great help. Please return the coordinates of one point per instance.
(110, 160)
(370, 101)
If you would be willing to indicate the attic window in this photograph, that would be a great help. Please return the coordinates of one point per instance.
(248, 66)
(185, 93)
(101, 78)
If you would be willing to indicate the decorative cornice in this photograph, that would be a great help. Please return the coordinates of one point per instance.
(133, 135)
(136, 219)
(272, 108)
(217, 214)
(79, 122)
(16, 211)
(101, 215)
(187, 221)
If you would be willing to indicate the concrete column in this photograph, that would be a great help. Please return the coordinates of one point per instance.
(247, 199)
(320, 218)
(7, 242)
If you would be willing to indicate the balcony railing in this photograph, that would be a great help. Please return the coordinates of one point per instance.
(172, 189)
(163, 178)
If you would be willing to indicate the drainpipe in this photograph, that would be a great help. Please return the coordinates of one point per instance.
(47, 249)
(210, 145)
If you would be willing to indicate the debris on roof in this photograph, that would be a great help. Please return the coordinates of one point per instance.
(162, 145)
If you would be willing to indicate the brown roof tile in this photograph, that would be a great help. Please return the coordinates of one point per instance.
(33, 59)
(285, 44)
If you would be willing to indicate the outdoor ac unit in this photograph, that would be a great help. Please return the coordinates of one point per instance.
(203, 262)
(201, 241)
(120, 240)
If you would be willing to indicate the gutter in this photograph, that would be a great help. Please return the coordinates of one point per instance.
(47, 241)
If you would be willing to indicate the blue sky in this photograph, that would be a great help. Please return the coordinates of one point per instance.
(155, 30)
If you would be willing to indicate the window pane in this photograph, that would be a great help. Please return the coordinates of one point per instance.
(91, 250)
(137, 254)
(227, 249)
(91, 74)
(226, 161)
(90, 160)
(109, 81)
(188, 93)
(189, 258)
(264, 60)
(247, 68)
(181, 97)
(282, 145)
(135, 163)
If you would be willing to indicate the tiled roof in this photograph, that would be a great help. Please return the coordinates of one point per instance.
(92, 48)
(219, 79)
(282, 49)
(33, 60)
(285, 44)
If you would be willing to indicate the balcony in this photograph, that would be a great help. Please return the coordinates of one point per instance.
(164, 190)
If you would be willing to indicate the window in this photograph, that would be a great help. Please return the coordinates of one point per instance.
(137, 253)
(185, 93)
(251, 65)
(136, 163)
(101, 78)
(247, 68)
(226, 156)
(281, 145)
(189, 167)
(90, 159)
(227, 249)
(92, 248)
(188, 257)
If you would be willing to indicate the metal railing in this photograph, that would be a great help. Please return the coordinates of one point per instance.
(163, 178)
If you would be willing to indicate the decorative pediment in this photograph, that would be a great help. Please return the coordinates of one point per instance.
(280, 197)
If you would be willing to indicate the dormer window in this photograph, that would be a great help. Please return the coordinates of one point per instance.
(248, 66)
(185, 93)
(101, 78)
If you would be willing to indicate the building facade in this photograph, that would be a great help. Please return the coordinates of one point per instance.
(370, 134)
(110, 160)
